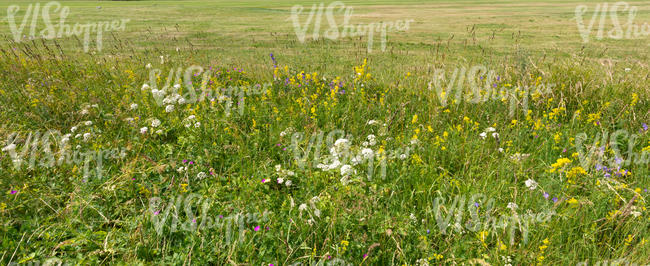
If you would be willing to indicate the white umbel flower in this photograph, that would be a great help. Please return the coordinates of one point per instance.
(201, 175)
(342, 143)
(367, 153)
(334, 165)
(372, 140)
(169, 108)
(483, 135)
(158, 93)
(346, 170)
(134, 106)
(531, 184)
(144, 130)
(155, 123)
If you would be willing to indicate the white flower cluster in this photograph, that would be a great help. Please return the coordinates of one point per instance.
(495, 135)
(155, 122)
(201, 175)
(85, 136)
(531, 184)
(492, 130)
(168, 100)
(191, 120)
(312, 206)
(284, 175)
(287, 131)
(517, 157)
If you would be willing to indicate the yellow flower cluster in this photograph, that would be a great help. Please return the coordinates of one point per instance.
(542, 249)
(575, 172)
(560, 163)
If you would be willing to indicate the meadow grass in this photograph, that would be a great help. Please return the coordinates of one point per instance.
(226, 161)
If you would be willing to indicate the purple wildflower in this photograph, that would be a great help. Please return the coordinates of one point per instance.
(275, 63)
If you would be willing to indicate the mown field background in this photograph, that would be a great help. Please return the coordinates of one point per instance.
(601, 86)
